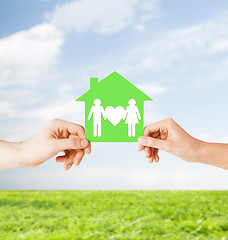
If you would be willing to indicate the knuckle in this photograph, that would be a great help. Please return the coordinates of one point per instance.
(151, 142)
(145, 129)
(70, 143)
(82, 128)
(169, 119)
(74, 142)
(81, 131)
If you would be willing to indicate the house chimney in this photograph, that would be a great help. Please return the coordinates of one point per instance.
(93, 82)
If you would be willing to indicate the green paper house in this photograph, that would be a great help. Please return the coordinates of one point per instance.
(114, 110)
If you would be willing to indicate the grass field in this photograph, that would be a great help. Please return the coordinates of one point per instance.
(114, 215)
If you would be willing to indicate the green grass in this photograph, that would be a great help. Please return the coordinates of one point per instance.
(114, 215)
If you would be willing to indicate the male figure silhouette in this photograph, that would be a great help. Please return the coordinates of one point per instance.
(97, 111)
(132, 117)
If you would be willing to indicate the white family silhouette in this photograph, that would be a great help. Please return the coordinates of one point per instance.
(131, 116)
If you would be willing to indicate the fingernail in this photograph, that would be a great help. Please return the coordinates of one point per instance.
(142, 140)
(84, 143)
(87, 151)
(68, 166)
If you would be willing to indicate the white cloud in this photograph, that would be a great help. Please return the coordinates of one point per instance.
(63, 109)
(140, 27)
(177, 53)
(53, 109)
(29, 54)
(219, 46)
(103, 16)
(27, 63)
(205, 177)
(151, 89)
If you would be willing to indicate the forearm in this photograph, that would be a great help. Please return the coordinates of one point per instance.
(215, 154)
(11, 155)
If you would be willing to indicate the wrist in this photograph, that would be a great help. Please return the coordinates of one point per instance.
(24, 154)
(215, 154)
(11, 155)
(19, 150)
(195, 150)
(201, 151)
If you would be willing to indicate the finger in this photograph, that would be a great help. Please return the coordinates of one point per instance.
(72, 128)
(71, 143)
(154, 135)
(69, 162)
(81, 133)
(140, 147)
(153, 153)
(155, 127)
(147, 151)
(64, 157)
(78, 157)
(156, 155)
(151, 159)
(154, 143)
(68, 165)
(88, 149)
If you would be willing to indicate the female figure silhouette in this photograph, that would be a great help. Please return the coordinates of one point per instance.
(132, 117)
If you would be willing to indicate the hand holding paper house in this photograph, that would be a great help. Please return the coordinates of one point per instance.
(114, 110)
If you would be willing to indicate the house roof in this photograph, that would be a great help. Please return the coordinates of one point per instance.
(114, 82)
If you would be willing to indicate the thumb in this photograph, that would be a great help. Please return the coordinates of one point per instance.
(154, 143)
(71, 143)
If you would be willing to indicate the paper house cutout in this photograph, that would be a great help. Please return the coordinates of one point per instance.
(114, 110)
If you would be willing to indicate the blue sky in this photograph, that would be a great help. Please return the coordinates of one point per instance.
(176, 51)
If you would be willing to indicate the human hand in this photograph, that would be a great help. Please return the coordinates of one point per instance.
(57, 136)
(170, 137)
